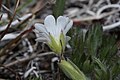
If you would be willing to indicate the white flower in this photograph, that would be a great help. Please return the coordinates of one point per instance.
(53, 32)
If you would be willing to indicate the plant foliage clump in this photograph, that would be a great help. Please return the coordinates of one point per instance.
(95, 53)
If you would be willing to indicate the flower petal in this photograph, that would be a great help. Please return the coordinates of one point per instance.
(49, 23)
(67, 28)
(62, 22)
(43, 35)
(40, 28)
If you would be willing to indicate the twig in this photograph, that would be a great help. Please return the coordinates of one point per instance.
(106, 7)
(28, 58)
(99, 3)
(89, 18)
(10, 11)
(11, 70)
(2, 35)
(29, 45)
(99, 14)
(23, 19)
(4, 52)
(2, 28)
(29, 71)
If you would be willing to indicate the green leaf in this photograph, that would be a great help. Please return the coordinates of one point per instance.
(87, 66)
(77, 44)
(101, 65)
(115, 70)
(96, 54)
(108, 48)
(94, 39)
(98, 74)
(58, 8)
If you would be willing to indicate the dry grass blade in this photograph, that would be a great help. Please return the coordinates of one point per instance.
(11, 44)
(28, 58)
(26, 17)
(3, 51)
(8, 10)
(2, 35)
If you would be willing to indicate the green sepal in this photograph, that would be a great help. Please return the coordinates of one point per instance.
(55, 46)
(71, 70)
(81, 73)
(62, 41)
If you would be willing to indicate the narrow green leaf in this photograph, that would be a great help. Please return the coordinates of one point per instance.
(94, 39)
(101, 65)
(58, 8)
(87, 66)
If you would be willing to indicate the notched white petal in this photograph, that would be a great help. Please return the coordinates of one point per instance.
(62, 21)
(68, 26)
(49, 22)
(40, 28)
